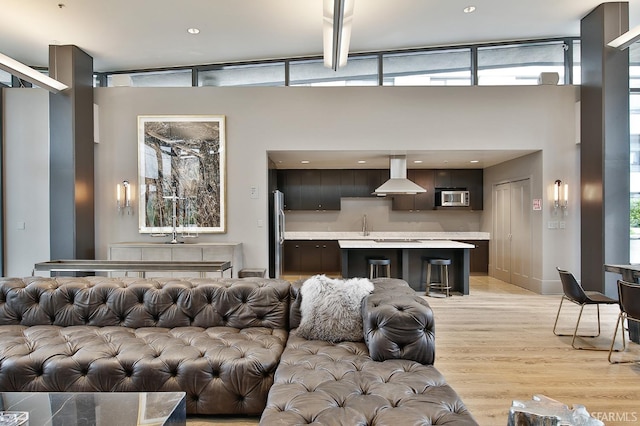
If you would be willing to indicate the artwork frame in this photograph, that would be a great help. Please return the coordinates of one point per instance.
(182, 174)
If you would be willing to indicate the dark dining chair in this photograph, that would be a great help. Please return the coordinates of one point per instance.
(574, 292)
(629, 294)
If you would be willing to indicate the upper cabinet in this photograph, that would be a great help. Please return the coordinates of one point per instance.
(361, 182)
(310, 189)
(457, 178)
(469, 179)
(321, 189)
(421, 201)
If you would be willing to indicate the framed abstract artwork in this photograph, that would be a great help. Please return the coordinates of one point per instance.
(182, 174)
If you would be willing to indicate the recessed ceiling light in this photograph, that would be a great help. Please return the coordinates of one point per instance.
(417, 161)
(193, 31)
(474, 161)
(361, 161)
(469, 9)
(305, 161)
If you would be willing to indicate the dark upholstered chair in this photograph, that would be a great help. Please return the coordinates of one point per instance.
(573, 292)
(629, 294)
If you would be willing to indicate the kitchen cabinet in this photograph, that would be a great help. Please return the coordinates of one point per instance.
(310, 189)
(457, 178)
(289, 184)
(347, 183)
(479, 256)
(365, 181)
(417, 202)
(319, 189)
(311, 257)
(469, 179)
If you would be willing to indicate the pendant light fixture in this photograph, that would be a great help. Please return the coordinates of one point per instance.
(31, 75)
(336, 32)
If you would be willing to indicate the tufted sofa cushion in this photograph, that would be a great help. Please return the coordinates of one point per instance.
(324, 383)
(136, 302)
(398, 326)
(218, 340)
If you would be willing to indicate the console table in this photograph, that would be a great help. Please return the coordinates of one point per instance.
(139, 266)
(187, 252)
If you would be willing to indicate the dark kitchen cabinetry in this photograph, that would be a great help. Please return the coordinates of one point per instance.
(289, 184)
(311, 257)
(479, 256)
(310, 189)
(469, 179)
(321, 189)
(361, 182)
(417, 202)
(457, 178)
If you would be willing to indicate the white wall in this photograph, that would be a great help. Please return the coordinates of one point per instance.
(26, 179)
(260, 119)
(560, 159)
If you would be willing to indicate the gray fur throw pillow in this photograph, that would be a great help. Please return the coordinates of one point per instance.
(330, 308)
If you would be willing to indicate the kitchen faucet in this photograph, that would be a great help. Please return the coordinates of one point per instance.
(365, 231)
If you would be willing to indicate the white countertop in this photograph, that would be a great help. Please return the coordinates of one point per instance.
(428, 244)
(164, 243)
(347, 235)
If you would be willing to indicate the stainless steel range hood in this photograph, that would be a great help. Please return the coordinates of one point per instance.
(398, 182)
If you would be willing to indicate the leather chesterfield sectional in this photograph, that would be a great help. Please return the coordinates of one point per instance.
(230, 344)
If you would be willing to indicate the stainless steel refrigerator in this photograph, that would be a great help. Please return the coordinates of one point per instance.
(278, 232)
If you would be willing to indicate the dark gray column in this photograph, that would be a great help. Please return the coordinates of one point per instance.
(604, 151)
(2, 227)
(71, 155)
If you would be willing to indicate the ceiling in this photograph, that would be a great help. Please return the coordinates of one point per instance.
(140, 34)
(430, 159)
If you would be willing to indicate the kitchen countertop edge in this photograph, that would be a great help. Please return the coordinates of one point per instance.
(331, 235)
(428, 244)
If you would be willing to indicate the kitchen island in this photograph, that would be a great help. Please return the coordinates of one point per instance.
(406, 263)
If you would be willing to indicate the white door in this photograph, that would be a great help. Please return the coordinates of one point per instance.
(520, 233)
(512, 232)
(502, 231)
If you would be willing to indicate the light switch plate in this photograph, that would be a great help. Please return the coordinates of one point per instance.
(253, 192)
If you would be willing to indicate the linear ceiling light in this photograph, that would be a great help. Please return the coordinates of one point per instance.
(31, 75)
(336, 32)
(627, 39)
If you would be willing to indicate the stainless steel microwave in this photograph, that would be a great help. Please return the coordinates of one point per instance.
(454, 198)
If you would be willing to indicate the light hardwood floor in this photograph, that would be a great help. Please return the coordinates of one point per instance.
(496, 345)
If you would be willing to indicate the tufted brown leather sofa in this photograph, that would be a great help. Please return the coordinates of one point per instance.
(217, 340)
(229, 344)
(387, 379)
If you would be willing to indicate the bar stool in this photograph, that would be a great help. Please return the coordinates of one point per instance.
(443, 284)
(375, 263)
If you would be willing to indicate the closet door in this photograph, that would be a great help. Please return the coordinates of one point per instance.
(520, 233)
(512, 232)
(502, 231)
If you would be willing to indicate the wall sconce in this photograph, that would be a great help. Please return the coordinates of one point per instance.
(560, 195)
(124, 189)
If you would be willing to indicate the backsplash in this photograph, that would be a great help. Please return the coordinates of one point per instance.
(380, 217)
